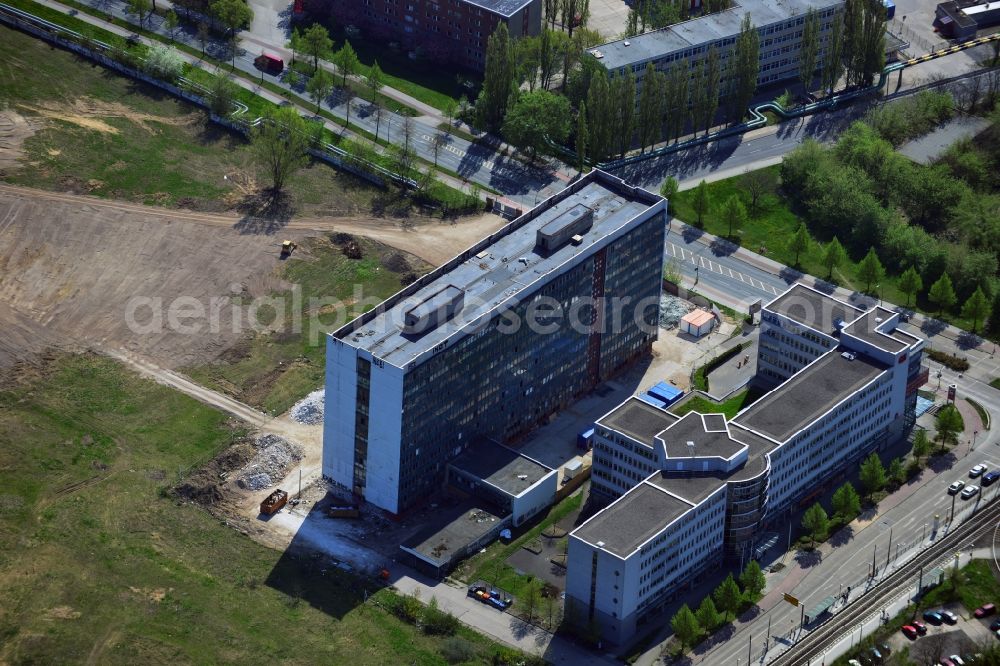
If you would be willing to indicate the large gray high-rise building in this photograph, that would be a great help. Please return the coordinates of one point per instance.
(493, 341)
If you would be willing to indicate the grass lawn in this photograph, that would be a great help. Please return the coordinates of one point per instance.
(121, 139)
(492, 566)
(773, 227)
(272, 371)
(976, 585)
(730, 407)
(99, 564)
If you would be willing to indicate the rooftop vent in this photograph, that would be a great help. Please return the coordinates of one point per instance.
(600, 544)
(576, 240)
(849, 356)
(483, 254)
(690, 445)
(434, 310)
(556, 233)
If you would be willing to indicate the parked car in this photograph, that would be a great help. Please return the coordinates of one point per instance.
(990, 477)
(948, 616)
(945, 661)
(876, 655)
(933, 617)
(853, 662)
(919, 626)
(970, 492)
(977, 471)
(885, 649)
(995, 624)
(910, 632)
(957, 659)
(955, 487)
(985, 610)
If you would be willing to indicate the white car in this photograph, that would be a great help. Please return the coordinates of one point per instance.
(978, 470)
(955, 487)
(970, 491)
(957, 660)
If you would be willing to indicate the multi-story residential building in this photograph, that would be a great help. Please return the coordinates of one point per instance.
(846, 386)
(493, 341)
(450, 31)
(779, 24)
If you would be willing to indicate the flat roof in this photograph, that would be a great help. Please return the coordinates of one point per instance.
(501, 7)
(633, 519)
(708, 434)
(452, 530)
(704, 30)
(694, 489)
(638, 419)
(808, 394)
(503, 467)
(813, 308)
(697, 317)
(865, 328)
(501, 268)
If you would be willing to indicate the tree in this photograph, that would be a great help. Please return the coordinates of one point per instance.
(910, 283)
(140, 8)
(600, 109)
(816, 523)
(701, 201)
(438, 142)
(942, 294)
(450, 112)
(746, 63)
(296, 44)
(727, 597)
(872, 474)
(203, 35)
(375, 81)
(948, 424)
(897, 473)
(164, 62)
(870, 270)
(800, 242)
(993, 321)
(319, 87)
(669, 188)
(623, 94)
(535, 116)
(977, 308)
(531, 597)
(676, 101)
(498, 79)
(864, 36)
(846, 502)
(752, 579)
(379, 112)
(316, 43)
(685, 626)
(707, 615)
(279, 144)
(809, 49)
(758, 183)
(550, 45)
(833, 256)
(833, 59)
(221, 93)
(347, 62)
(699, 97)
(234, 15)
(170, 22)
(582, 136)
(348, 93)
(713, 74)
(734, 213)
(921, 444)
(650, 107)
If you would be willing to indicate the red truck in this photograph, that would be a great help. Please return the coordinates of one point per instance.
(269, 63)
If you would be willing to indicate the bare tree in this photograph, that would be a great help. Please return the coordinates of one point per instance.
(758, 183)
(437, 143)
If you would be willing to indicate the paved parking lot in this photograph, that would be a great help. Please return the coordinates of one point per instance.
(946, 639)
(608, 17)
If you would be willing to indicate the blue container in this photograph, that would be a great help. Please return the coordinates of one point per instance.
(667, 393)
(653, 400)
(584, 438)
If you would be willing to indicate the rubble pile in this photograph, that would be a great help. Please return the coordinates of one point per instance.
(672, 309)
(309, 410)
(275, 455)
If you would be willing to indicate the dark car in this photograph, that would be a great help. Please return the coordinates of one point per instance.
(949, 617)
(990, 477)
(995, 624)
(919, 626)
(933, 617)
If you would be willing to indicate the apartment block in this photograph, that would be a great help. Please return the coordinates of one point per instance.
(779, 25)
(446, 31)
(844, 383)
(495, 340)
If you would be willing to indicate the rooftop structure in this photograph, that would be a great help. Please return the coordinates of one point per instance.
(814, 309)
(493, 274)
(700, 436)
(638, 419)
(501, 466)
(875, 327)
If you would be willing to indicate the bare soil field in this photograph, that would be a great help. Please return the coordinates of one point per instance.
(70, 265)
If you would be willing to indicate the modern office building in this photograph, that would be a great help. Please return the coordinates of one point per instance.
(493, 341)
(685, 44)
(688, 493)
(448, 31)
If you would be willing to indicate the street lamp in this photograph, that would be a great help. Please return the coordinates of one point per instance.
(696, 274)
(888, 550)
(974, 434)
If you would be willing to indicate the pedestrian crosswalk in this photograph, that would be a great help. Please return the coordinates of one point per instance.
(705, 263)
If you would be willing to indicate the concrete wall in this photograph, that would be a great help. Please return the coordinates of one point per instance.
(338, 422)
(537, 498)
